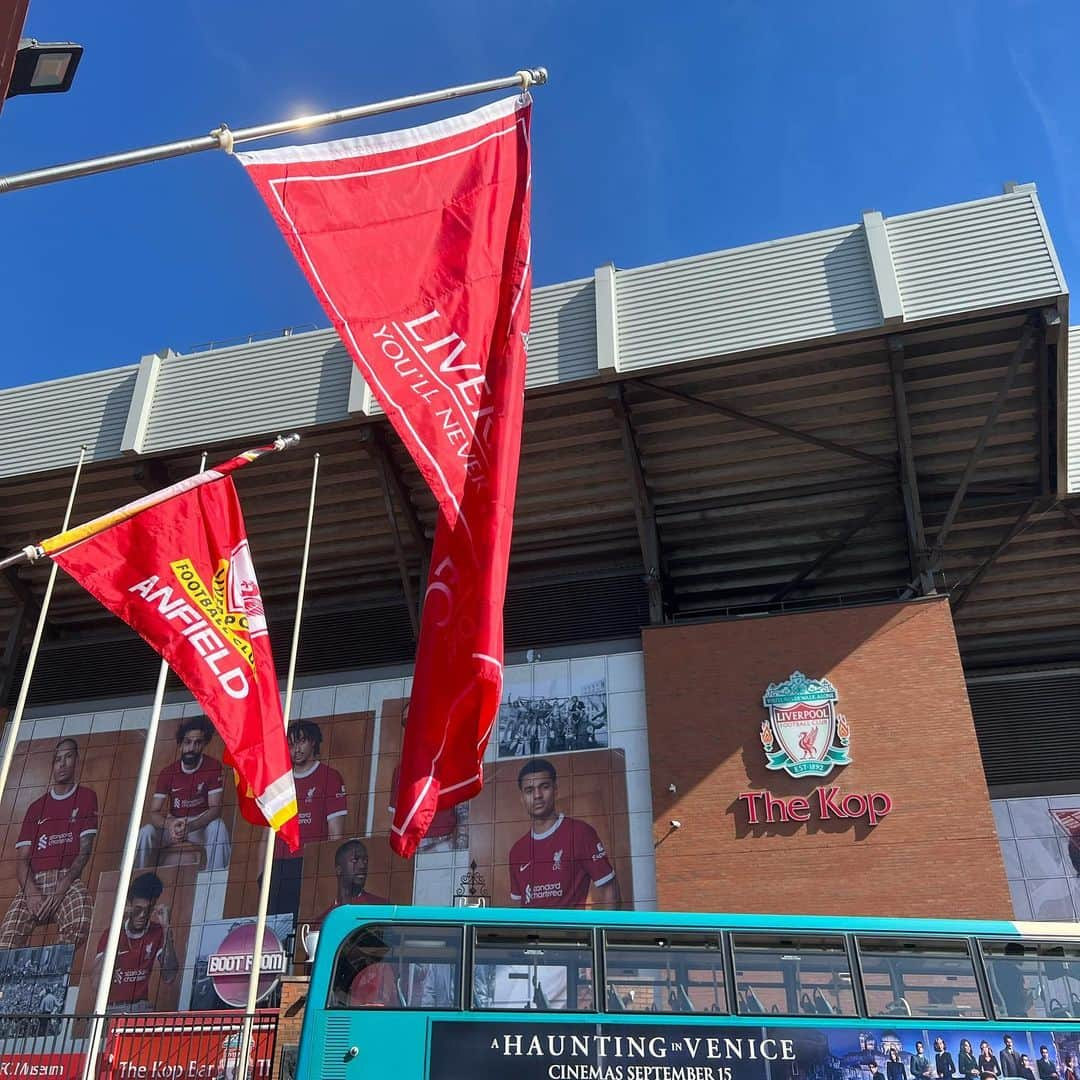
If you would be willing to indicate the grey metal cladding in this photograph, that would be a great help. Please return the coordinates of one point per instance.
(1072, 448)
(562, 335)
(258, 388)
(974, 255)
(796, 289)
(46, 423)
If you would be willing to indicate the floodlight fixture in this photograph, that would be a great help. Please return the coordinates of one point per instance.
(44, 67)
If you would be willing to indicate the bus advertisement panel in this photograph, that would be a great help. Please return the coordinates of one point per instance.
(695, 1051)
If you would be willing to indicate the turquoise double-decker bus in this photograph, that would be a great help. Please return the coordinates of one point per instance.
(403, 993)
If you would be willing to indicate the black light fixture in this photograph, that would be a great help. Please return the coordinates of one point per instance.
(44, 67)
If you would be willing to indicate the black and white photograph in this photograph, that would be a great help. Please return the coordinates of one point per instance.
(529, 726)
(33, 988)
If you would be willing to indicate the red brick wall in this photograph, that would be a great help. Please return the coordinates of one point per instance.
(897, 671)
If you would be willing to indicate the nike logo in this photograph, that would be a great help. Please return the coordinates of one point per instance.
(522, 869)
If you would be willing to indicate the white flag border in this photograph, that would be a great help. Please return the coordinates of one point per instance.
(364, 145)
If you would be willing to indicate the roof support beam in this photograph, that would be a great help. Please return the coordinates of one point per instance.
(644, 512)
(1051, 322)
(1022, 347)
(768, 425)
(10, 657)
(959, 595)
(909, 477)
(832, 549)
(392, 485)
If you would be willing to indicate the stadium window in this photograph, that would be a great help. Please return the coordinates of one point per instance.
(398, 967)
(931, 978)
(1033, 979)
(548, 970)
(662, 972)
(792, 975)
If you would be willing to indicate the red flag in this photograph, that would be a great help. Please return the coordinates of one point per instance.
(180, 574)
(417, 244)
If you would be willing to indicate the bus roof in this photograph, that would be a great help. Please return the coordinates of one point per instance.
(352, 915)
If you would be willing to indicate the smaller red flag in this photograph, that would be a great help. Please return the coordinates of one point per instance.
(180, 574)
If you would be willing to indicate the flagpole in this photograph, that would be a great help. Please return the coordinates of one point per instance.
(222, 138)
(127, 864)
(268, 856)
(15, 721)
(127, 867)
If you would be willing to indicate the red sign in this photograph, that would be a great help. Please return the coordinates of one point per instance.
(826, 803)
(184, 1047)
(57, 1066)
(229, 966)
(417, 244)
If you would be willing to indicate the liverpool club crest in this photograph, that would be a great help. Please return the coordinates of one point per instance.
(804, 734)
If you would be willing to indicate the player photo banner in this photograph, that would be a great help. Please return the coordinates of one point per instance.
(417, 245)
(180, 574)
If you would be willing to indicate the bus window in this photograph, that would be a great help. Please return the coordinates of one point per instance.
(1037, 979)
(661, 972)
(548, 970)
(398, 967)
(792, 975)
(919, 978)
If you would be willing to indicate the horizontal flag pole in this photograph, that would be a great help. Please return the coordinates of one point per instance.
(223, 138)
(69, 537)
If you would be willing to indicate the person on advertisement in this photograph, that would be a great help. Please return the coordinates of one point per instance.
(53, 847)
(894, 1067)
(1046, 1065)
(943, 1060)
(1009, 1058)
(966, 1060)
(187, 802)
(988, 1062)
(351, 870)
(560, 858)
(145, 939)
(920, 1063)
(323, 809)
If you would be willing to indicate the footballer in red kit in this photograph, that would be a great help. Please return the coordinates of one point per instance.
(323, 805)
(560, 859)
(351, 870)
(320, 791)
(145, 940)
(187, 802)
(53, 847)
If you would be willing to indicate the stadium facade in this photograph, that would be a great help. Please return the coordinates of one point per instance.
(793, 597)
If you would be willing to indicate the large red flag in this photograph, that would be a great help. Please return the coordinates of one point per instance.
(180, 574)
(417, 244)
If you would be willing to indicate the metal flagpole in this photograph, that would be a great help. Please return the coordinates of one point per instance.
(268, 857)
(15, 721)
(223, 138)
(127, 866)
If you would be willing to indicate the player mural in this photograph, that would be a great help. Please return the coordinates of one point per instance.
(561, 859)
(185, 812)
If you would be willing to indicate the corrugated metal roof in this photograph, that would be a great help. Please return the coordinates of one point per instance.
(799, 289)
(254, 389)
(976, 255)
(741, 511)
(45, 423)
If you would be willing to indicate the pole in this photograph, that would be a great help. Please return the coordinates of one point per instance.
(16, 717)
(268, 856)
(127, 866)
(223, 138)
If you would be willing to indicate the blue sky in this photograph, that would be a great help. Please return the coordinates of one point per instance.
(666, 130)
